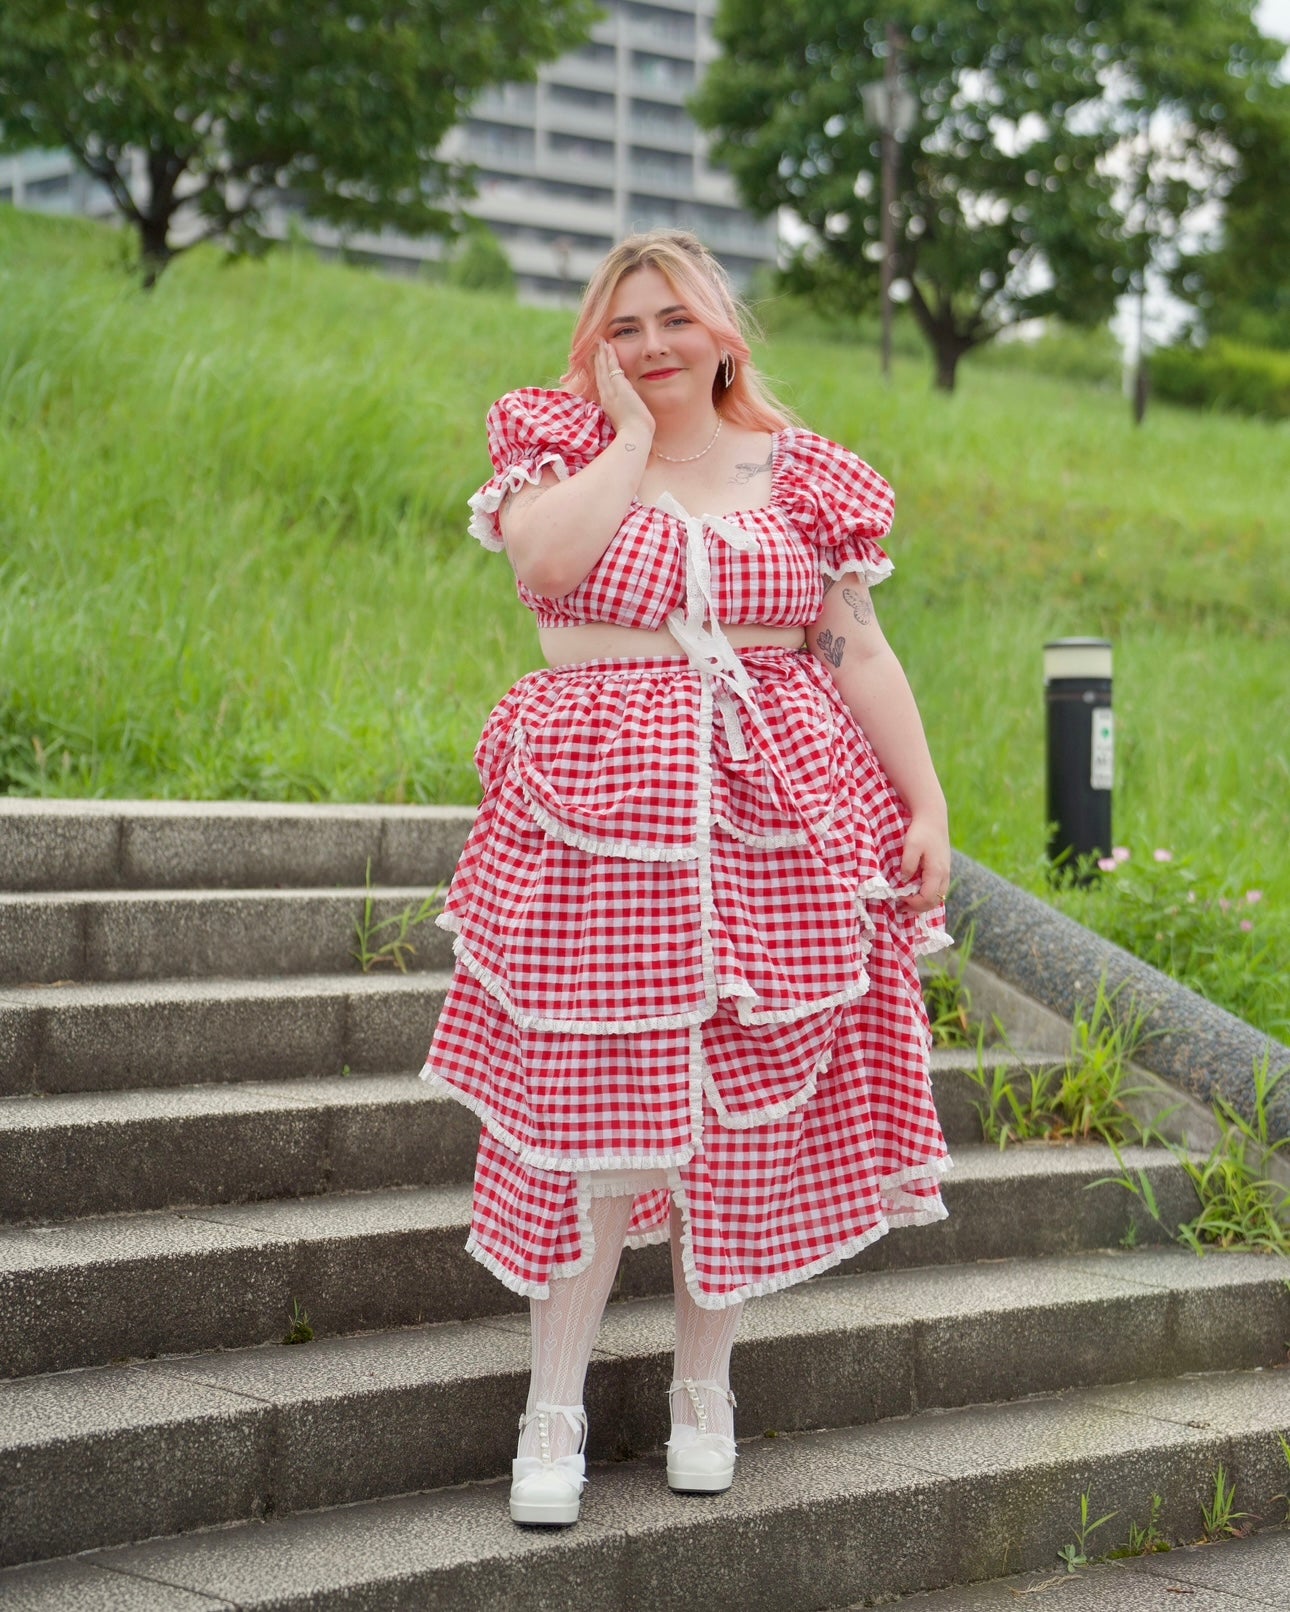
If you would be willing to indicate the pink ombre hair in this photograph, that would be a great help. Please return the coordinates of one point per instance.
(701, 284)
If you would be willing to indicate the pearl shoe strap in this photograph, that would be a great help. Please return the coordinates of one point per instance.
(542, 1413)
(691, 1385)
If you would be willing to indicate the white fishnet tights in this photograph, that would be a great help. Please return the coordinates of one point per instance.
(704, 1339)
(564, 1326)
(564, 1330)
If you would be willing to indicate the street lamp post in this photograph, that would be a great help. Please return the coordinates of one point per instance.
(893, 108)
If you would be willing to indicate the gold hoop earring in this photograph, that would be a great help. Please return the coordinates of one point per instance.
(727, 370)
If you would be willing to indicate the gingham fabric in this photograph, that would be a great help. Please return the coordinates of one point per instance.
(678, 939)
(827, 512)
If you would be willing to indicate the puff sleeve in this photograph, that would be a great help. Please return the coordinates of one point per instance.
(527, 431)
(841, 505)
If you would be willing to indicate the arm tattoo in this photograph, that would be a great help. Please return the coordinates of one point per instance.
(861, 607)
(629, 447)
(744, 473)
(829, 647)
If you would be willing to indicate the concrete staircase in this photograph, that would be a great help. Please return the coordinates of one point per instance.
(209, 1122)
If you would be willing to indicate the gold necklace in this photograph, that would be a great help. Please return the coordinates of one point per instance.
(690, 457)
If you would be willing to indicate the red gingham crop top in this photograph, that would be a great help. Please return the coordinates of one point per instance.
(826, 512)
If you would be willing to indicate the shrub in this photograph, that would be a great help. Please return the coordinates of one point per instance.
(1093, 356)
(481, 264)
(1224, 375)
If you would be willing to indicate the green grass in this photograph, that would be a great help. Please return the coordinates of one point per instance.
(233, 559)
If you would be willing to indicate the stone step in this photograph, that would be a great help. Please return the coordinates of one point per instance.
(72, 1155)
(814, 1519)
(76, 1038)
(184, 845)
(276, 1430)
(124, 935)
(1247, 1574)
(134, 1286)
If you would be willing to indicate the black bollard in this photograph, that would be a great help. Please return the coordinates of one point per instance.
(1081, 747)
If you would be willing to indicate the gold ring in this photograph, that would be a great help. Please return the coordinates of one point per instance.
(614, 372)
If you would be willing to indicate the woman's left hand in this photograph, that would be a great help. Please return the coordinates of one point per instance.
(926, 861)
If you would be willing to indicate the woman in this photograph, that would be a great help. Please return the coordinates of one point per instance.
(710, 846)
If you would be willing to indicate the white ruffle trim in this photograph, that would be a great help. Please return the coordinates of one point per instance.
(489, 499)
(760, 1116)
(872, 574)
(623, 850)
(926, 939)
(920, 1213)
(750, 1015)
(540, 1021)
(558, 1163)
(773, 842)
(776, 1284)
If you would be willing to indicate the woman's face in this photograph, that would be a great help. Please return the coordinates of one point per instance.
(666, 354)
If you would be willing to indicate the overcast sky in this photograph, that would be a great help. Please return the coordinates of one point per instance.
(1273, 17)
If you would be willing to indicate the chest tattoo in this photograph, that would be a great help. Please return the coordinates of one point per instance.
(744, 473)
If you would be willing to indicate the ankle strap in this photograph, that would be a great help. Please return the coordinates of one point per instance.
(691, 1386)
(542, 1411)
(703, 1382)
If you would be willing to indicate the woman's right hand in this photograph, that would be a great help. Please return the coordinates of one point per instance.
(618, 397)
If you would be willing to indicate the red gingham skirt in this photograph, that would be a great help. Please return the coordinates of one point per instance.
(679, 947)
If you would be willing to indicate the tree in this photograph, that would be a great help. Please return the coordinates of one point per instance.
(1240, 283)
(336, 110)
(1013, 185)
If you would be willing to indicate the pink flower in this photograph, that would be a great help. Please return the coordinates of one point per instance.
(1108, 864)
(1161, 855)
(1120, 853)
(1254, 897)
(1246, 925)
(1224, 905)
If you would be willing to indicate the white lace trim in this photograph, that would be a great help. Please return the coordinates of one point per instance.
(872, 574)
(489, 499)
(623, 1183)
(771, 1284)
(541, 1021)
(625, 850)
(760, 1116)
(930, 1170)
(556, 1163)
(773, 842)
(801, 1010)
(928, 940)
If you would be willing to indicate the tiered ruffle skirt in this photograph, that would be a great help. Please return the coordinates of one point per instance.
(680, 946)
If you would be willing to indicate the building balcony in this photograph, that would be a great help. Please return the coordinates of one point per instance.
(564, 118)
(659, 177)
(521, 205)
(581, 73)
(673, 134)
(650, 36)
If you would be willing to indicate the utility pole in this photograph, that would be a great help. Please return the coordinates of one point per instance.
(890, 81)
(890, 105)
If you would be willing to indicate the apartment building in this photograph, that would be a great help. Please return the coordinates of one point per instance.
(600, 145)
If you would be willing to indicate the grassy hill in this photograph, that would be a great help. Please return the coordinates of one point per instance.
(233, 563)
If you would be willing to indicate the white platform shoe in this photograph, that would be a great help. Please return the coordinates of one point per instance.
(699, 1461)
(547, 1489)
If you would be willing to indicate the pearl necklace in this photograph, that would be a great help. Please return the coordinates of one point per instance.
(690, 457)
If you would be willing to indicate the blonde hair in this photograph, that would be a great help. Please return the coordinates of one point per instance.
(701, 283)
